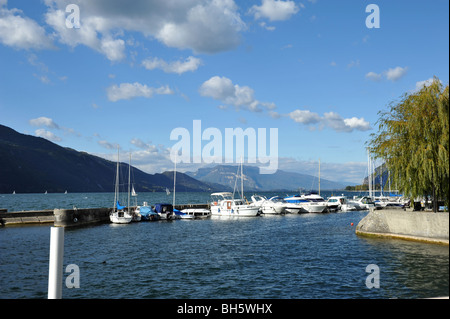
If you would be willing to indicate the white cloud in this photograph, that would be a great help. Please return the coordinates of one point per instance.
(203, 26)
(47, 135)
(359, 124)
(21, 32)
(331, 120)
(393, 75)
(44, 121)
(339, 124)
(127, 91)
(275, 10)
(305, 117)
(87, 34)
(373, 76)
(190, 64)
(223, 89)
(396, 73)
(113, 48)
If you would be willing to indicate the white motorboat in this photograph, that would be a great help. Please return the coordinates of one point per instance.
(197, 213)
(343, 204)
(182, 215)
(308, 203)
(274, 205)
(390, 202)
(333, 204)
(258, 200)
(363, 203)
(224, 204)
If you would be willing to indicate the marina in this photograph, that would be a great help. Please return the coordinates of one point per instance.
(300, 256)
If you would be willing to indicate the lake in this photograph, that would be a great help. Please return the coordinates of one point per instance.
(307, 256)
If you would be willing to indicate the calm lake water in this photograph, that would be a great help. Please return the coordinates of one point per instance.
(279, 257)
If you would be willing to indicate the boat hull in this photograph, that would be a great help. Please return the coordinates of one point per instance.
(237, 211)
(120, 217)
(198, 213)
(273, 209)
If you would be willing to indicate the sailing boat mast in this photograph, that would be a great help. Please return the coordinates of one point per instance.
(129, 182)
(174, 180)
(242, 180)
(319, 176)
(116, 190)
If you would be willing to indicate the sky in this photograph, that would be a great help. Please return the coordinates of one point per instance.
(92, 75)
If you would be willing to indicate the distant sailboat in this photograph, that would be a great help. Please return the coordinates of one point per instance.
(14, 192)
(136, 216)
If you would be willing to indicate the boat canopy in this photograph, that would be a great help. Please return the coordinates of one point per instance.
(120, 206)
(163, 208)
(145, 210)
(224, 195)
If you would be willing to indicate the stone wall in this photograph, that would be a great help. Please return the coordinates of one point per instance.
(406, 224)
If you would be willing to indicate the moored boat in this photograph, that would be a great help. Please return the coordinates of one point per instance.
(308, 203)
(198, 213)
(274, 205)
(119, 215)
(147, 213)
(223, 204)
(165, 211)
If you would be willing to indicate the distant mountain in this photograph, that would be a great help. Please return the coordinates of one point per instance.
(253, 181)
(30, 164)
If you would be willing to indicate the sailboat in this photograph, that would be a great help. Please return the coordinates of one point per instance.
(176, 212)
(136, 216)
(119, 215)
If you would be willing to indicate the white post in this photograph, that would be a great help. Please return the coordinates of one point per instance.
(55, 273)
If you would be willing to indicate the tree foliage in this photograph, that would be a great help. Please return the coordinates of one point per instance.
(413, 139)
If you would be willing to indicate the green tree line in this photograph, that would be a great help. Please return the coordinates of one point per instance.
(413, 140)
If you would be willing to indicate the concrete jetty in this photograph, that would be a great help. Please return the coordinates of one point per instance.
(26, 217)
(420, 226)
(66, 217)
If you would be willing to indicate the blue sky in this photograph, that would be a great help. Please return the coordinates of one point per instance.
(136, 70)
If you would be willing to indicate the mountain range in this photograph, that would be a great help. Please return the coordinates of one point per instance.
(254, 181)
(30, 164)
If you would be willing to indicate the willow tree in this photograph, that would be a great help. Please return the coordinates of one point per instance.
(413, 139)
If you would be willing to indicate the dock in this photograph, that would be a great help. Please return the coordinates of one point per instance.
(26, 217)
(66, 217)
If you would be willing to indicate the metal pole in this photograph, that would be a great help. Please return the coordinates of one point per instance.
(55, 273)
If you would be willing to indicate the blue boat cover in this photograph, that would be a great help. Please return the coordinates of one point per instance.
(120, 206)
(145, 210)
(163, 208)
